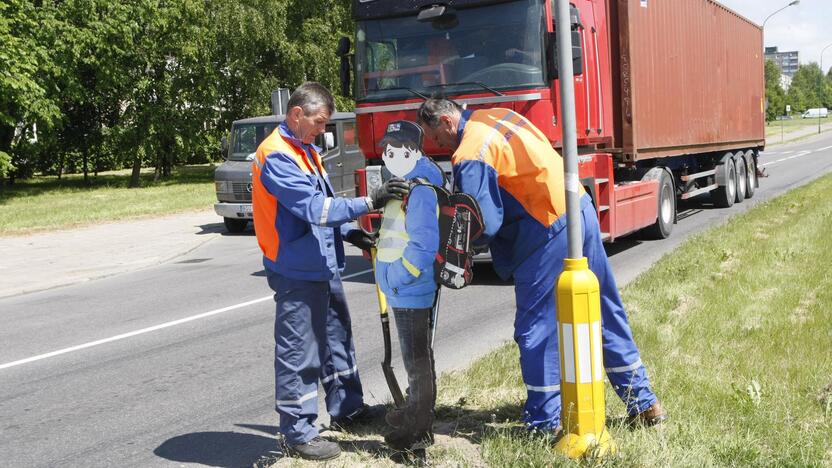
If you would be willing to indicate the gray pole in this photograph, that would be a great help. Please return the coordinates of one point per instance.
(822, 84)
(570, 137)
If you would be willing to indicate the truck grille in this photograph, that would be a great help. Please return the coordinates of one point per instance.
(241, 190)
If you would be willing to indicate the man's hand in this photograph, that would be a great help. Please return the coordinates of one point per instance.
(393, 188)
(360, 239)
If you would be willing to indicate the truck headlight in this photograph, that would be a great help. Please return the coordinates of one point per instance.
(222, 186)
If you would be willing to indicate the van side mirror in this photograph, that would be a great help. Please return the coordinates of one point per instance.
(343, 51)
(329, 140)
(224, 146)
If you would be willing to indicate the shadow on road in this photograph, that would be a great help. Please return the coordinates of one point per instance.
(214, 228)
(223, 449)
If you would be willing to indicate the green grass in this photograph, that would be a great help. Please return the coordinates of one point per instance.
(44, 203)
(773, 129)
(734, 327)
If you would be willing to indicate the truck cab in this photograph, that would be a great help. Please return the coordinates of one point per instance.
(340, 155)
(653, 124)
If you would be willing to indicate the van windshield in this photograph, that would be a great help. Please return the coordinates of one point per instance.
(245, 138)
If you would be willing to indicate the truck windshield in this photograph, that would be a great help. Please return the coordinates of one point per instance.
(499, 46)
(245, 138)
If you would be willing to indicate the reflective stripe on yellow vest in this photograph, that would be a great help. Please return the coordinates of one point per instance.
(392, 235)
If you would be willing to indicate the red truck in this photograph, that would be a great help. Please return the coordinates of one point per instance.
(669, 93)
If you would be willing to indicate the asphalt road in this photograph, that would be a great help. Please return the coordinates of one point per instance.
(173, 365)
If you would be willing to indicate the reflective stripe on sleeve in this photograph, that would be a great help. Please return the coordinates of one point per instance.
(549, 388)
(299, 401)
(411, 267)
(618, 370)
(339, 374)
(325, 211)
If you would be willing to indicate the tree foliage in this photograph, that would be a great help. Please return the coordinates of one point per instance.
(150, 82)
(809, 88)
(775, 96)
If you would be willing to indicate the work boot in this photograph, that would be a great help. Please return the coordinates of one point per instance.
(652, 416)
(366, 414)
(316, 449)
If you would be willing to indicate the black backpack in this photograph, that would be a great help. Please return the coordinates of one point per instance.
(460, 224)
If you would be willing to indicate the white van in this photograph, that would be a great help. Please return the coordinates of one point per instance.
(815, 113)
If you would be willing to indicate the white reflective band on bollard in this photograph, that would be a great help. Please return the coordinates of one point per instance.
(568, 358)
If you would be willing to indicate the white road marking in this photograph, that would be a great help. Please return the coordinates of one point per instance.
(800, 154)
(824, 148)
(151, 329)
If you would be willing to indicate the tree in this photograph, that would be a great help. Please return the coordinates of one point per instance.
(25, 77)
(808, 88)
(151, 82)
(775, 96)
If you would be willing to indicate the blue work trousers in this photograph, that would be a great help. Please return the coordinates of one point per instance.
(313, 342)
(535, 328)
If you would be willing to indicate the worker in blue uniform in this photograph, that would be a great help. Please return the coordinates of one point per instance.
(300, 226)
(406, 254)
(510, 167)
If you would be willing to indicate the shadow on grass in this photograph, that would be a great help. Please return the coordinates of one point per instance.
(453, 421)
(41, 185)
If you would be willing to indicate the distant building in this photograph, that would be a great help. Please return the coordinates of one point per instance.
(787, 61)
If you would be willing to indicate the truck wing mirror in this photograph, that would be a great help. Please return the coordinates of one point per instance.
(224, 147)
(329, 140)
(343, 51)
(577, 48)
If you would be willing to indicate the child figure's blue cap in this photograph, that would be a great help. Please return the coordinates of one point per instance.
(403, 131)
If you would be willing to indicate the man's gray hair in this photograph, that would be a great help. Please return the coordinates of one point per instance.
(433, 108)
(311, 96)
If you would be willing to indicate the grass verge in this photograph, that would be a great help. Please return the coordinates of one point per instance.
(774, 130)
(44, 203)
(734, 328)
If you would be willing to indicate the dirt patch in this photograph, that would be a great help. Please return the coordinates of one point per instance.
(825, 399)
(800, 315)
(451, 448)
(683, 305)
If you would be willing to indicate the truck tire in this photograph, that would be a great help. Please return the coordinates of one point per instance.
(725, 195)
(750, 174)
(235, 225)
(742, 184)
(666, 213)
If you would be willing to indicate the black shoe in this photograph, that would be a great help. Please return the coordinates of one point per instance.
(407, 439)
(316, 449)
(366, 414)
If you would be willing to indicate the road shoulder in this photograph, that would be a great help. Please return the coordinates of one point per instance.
(42, 261)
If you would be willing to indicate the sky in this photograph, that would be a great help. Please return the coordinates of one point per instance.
(806, 27)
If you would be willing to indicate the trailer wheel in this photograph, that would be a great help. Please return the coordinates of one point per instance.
(235, 225)
(750, 174)
(739, 161)
(666, 213)
(725, 195)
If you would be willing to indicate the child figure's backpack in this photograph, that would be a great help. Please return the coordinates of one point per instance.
(460, 224)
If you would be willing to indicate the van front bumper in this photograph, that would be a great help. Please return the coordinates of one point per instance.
(233, 210)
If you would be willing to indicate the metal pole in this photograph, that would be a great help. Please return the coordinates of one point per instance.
(820, 90)
(570, 136)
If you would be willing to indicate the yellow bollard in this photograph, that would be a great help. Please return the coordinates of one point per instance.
(583, 412)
